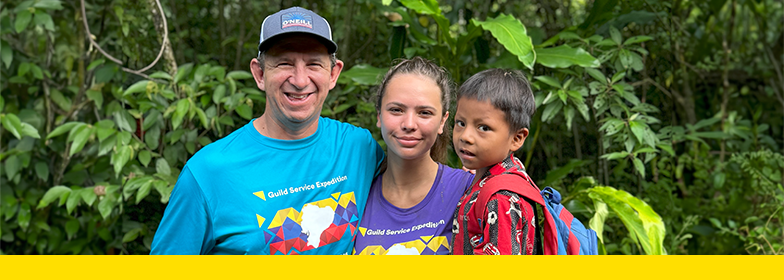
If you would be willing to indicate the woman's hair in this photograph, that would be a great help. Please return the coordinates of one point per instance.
(426, 68)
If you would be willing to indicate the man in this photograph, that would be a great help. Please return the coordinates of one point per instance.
(288, 182)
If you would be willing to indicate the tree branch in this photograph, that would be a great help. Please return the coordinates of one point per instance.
(115, 60)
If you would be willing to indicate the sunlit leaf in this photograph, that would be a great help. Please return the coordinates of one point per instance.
(239, 75)
(639, 218)
(362, 74)
(52, 194)
(564, 56)
(553, 82)
(511, 33)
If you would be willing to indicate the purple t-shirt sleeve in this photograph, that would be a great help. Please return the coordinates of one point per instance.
(424, 229)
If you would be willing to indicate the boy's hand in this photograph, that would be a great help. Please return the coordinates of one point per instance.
(472, 171)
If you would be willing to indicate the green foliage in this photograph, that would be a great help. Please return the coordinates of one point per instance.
(688, 134)
(645, 226)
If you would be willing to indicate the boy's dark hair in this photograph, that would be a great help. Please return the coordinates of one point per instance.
(439, 75)
(508, 91)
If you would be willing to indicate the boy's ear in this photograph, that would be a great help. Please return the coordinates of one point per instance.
(518, 139)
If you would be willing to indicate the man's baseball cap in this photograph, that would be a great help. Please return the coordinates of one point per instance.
(295, 20)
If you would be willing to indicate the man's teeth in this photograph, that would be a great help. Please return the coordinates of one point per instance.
(298, 96)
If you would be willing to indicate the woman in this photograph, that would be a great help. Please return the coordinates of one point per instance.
(410, 206)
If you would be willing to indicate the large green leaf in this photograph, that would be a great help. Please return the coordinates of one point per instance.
(12, 165)
(24, 216)
(363, 74)
(144, 157)
(74, 199)
(162, 166)
(239, 75)
(220, 91)
(244, 111)
(564, 56)
(511, 33)
(181, 108)
(81, 136)
(430, 7)
(29, 130)
(638, 129)
(140, 86)
(120, 157)
(49, 4)
(22, 20)
(71, 227)
(644, 224)
(12, 123)
(106, 205)
(44, 19)
(52, 194)
(6, 54)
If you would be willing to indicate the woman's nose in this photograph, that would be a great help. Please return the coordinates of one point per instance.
(408, 123)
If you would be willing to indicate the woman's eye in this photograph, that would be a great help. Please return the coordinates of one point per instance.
(427, 113)
(395, 110)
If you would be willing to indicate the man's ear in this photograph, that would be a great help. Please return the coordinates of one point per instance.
(518, 139)
(258, 73)
(335, 73)
(443, 122)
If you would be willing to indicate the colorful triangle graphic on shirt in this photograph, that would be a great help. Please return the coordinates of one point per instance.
(260, 195)
(362, 230)
(260, 219)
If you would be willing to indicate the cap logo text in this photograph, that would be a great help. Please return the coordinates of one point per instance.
(297, 19)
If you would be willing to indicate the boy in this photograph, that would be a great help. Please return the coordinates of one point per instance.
(494, 109)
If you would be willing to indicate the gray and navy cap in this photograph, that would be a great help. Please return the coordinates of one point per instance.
(299, 20)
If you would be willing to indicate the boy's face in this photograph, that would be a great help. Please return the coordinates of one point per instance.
(481, 136)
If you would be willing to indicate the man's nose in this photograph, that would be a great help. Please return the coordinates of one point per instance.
(299, 79)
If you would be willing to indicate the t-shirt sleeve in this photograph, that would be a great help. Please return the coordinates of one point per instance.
(508, 229)
(186, 227)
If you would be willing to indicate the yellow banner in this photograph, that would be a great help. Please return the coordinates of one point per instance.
(396, 267)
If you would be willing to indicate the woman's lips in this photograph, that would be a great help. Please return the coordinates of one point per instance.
(408, 141)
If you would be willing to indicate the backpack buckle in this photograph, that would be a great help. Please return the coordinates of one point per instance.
(551, 195)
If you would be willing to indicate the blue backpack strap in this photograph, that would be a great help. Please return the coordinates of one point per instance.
(571, 232)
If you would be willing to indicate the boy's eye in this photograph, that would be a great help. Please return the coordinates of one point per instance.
(459, 123)
(484, 128)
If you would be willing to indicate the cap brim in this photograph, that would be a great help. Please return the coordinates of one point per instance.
(331, 46)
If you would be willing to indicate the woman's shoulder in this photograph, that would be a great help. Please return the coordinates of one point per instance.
(450, 175)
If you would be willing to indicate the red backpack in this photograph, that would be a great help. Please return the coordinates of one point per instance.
(563, 234)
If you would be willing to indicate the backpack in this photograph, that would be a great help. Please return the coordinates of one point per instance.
(563, 234)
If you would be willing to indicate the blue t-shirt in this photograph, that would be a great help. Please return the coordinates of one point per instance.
(425, 229)
(251, 194)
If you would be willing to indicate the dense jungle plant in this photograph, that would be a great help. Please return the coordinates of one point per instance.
(666, 115)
